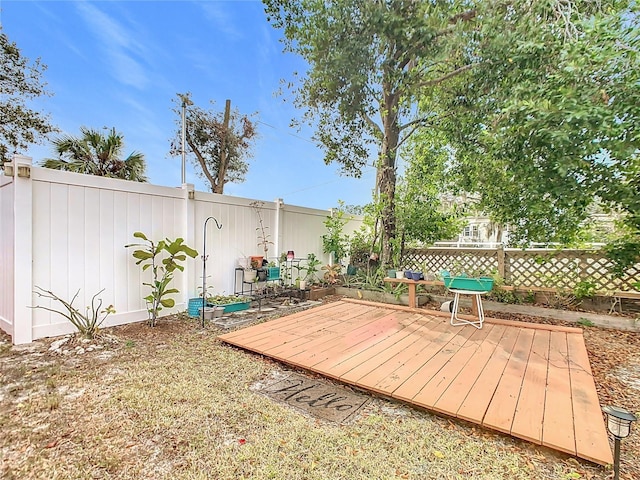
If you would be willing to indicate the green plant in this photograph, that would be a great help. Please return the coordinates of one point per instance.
(87, 323)
(585, 322)
(585, 289)
(530, 297)
(161, 269)
(227, 299)
(264, 238)
(335, 241)
(331, 273)
(311, 268)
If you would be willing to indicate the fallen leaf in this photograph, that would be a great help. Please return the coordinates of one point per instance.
(51, 444)
(438, 454)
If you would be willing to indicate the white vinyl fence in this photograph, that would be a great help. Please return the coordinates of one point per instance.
(66, 232)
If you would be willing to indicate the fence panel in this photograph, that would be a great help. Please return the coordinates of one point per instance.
(81, 225)
(78, 225)
(534, 268)
(6, 254)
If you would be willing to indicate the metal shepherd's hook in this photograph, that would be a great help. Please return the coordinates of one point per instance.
(204, 264)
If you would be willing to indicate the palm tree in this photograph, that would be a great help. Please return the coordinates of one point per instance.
(96, 154)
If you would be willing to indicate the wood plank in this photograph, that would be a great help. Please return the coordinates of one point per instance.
(475, 404)
(591, 436)
(313, 336)
(502, 408)
(440, 382)
(364, 361)
(558, 428)
(392, 373)
(496, 374)
(274, 333)
(454, 395)
(246, 333)
(360, 336)
(415, 382)
(422, 368)
(527, 421)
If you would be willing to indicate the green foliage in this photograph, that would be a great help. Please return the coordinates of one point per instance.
(19, 81)
(87, 323)
(93, 153)
(585, 289)
(331, 273)
(421, 218)
(163, 258)
(218, 143)
(530, 297)
(311, 268)
(227, 299)
(368, 62)
(585, 322)
(546, 124)
(359, 248)
(335, 241)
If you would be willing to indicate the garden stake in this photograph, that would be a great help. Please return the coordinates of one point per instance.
(204, 265)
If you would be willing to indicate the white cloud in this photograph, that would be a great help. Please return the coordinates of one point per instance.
(120, 45)
(219, 16)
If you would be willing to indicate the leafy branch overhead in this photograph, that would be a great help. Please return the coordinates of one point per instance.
(536, 102)
(369, 63)
(218, 143)
(20, 80)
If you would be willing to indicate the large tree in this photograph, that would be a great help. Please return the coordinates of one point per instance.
(219, 141)
(20, 81)
(94, 153)
(551, 123)
(369, 61)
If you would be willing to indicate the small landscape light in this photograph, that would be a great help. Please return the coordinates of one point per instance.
(619, 423)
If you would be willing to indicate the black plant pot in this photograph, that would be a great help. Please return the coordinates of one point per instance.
(262, 274)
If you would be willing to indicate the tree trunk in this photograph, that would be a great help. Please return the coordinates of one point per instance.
(387, 175)
(224, 160)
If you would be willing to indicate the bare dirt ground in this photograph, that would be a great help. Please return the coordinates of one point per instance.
(173, 402)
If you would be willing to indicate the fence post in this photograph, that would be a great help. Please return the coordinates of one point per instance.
(22, 250)
(189, 234)
(501, 263)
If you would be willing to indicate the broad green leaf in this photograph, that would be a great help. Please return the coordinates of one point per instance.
(168, 302)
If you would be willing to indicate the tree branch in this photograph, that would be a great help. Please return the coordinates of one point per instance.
(449, 75)
(201, 161)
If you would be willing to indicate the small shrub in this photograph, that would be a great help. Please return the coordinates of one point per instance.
(585, 289)
(87, 323)
(150, 256)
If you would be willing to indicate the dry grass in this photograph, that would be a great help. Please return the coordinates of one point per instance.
(174, 403)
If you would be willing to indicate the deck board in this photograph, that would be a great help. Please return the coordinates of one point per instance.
(530, 381)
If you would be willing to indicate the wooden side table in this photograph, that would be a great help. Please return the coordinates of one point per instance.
(455, 320)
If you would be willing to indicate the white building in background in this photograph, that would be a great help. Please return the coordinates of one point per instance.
(480, 232)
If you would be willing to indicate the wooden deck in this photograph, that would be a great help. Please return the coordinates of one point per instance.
(527, 380)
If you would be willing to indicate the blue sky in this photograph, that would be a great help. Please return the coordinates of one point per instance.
(120, 63)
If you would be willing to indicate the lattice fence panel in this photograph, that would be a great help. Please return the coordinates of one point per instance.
(471, 261)
(561, 269)
(565, 269)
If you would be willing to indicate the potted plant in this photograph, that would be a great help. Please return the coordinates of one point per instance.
(229, 303)
(331, 273)
(273, 271)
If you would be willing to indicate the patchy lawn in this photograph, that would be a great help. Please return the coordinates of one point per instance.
(172, 402)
